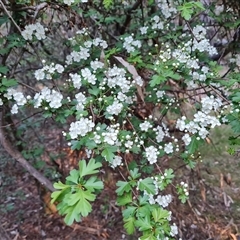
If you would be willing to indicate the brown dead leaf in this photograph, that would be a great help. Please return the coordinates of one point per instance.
(131, 69)
(50, 208)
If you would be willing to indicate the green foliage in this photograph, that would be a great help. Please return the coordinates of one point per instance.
(75, 196)
(189, 8)
(107, 3)
(5, 83)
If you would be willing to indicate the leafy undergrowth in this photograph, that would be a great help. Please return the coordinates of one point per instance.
(212, 211)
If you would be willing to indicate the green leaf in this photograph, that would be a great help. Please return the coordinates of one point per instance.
(199, 5)
(183, 198)
(4, 19)
(88, 169)
(123, 187)
(3, 69)
(59, 194)
(193, 146)
(144, 210)
(169, 173)
(134, 173)
(147, 184)
(235, 97)
(143, 200)
(71, 216)
(144, 223)
(80, 200)
(107, 3)
(60, 185)
(129, 211)
(56, 195)
(159, 214)
(74, 176)
(157, 79)
(94, 91)
(108, 153)
(93, 184)
(129, 225)
(9, 82)
(124, 199)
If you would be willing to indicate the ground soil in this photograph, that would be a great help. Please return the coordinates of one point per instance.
(212, 211)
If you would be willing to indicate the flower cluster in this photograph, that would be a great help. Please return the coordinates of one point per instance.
(185, 188)
(117, 161)
(77, 56)
(145, 126)
(167, 7)
(18, 97)
(80, 128)
(53, 97)
(34, 30)
(115, 108)
(70, 2)
(157, 23)
(116, 77)
(202, 120)
(151, 154)
(163, 201)
(84, 51)
(130, 44)
(48, 70)
(81, 100)
(200, 42)
(110, 136)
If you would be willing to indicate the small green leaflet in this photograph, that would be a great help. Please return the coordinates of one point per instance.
(8, 82)
(144, 223)
(90, 168)
(134, 173)
(60, 185)
(123, 187)
(169, 173)
(71, 215)
(157, 79)
(147, 184)
(107, 3)
(188, 8)
(183, 198)
(143, 211)
(159, 214)
(94, 91)
(129, 211)
(124, 199)
(93, 183)
(74, 176)
(3, 69)
(194, 144)
(58, 194)
(163, 76)
(108, 153)
(129, 225)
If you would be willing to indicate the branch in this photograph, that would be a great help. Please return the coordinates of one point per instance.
(18, 157)
(9, 15)
(128, 17)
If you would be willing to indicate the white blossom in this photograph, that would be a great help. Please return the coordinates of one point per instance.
(151, 154)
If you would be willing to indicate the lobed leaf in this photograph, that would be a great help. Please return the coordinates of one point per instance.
(88, 169)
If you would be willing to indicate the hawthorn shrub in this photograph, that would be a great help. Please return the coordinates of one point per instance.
(132, 83)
